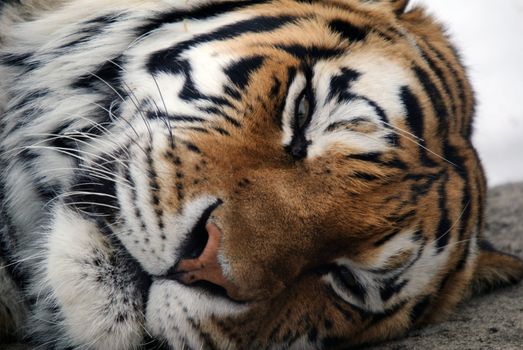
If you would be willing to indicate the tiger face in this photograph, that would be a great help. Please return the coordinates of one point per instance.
(241, 174)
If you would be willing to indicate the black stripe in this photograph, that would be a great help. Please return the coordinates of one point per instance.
(68, 138)
(436, 99)
(232, 92)
(433, 65)
(480, 182)
(401, 219)
(386, 238)
(340, 83)
(457, 79)
(391, 288)
(464, 257)
(396, 163)
(189, 92)
(107, 74)
(45, 190)
(239, 72)
(8, 243)
(373, 157)
(314, 52)
(174, 117)
(192, 147)
(218, 112)
(155, 343)
(343, 309)
(89, 202)
(346, 278)
(275, 88)
(364, 176)
(154, 187)
(443, 231)
(194, 128)
(83, 36)
(418, 310)
(451, 153)
(27, 98)
(200, 13)
(348, 96)
(415, 119)
(21, 60)
(166, 60)
(134, 198)
(333, 342)
(378, 317)
(348, 31)
(339, 87)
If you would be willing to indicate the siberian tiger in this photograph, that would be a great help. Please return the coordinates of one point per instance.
(266, 174)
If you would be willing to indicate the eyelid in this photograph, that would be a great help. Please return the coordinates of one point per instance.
(348, 281)
(302, 120)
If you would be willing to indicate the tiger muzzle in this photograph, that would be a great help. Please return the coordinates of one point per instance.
(206, 267)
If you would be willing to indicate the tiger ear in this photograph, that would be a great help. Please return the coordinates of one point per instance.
(495, 269)
(399, 6)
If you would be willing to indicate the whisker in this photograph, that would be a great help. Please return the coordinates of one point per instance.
(70, 152)
(52, 137)
(167, 121)
(133, 98)
(112, 104)
(403, 131)
(455, 222)
(74, 193)
(420, 145)
(94, 204)
(19, 261)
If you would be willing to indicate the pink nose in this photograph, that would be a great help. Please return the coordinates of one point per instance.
(207, 267)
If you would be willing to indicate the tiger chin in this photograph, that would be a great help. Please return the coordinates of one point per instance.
(235, 174)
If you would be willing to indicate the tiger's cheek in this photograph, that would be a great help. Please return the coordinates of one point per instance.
(84, 284)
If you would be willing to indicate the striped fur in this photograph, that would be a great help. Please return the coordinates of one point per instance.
(328, 140)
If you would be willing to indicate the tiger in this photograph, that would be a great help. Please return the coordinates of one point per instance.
(231, 174)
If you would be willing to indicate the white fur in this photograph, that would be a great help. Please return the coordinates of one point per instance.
(91, 313)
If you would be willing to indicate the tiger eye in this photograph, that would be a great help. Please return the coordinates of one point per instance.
(302, 114)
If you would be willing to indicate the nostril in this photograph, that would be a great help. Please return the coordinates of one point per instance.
(196, 240)
(206, 268)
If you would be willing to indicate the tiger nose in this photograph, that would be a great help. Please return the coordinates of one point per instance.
(207, 267)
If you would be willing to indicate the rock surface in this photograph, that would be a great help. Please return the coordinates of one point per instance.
(493, 321)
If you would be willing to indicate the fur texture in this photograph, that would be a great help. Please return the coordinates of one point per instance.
(318, 151)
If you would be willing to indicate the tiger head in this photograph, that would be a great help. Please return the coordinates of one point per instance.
(271, 174)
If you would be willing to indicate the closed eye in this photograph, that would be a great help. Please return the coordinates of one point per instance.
(346, 279)
(302, 111)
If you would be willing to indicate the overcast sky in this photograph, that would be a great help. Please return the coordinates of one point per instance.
(490, 36)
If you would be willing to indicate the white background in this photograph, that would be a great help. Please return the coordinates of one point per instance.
(489, 35)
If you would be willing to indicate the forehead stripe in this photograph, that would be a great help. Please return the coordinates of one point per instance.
(161, 61)
(239, 72)
(348, 31)
(200, 13)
